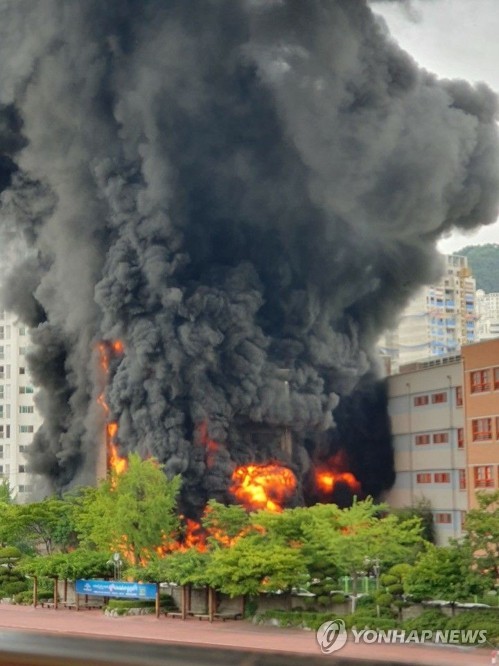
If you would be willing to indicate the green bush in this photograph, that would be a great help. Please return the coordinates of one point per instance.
(395, 589)
(12, 588)
(433, 620)
(362, 620)
(366, 600)
(338, 598)
(126, 604)
(388, 579)
(384, 599)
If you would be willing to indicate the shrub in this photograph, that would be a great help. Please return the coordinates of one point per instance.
(388, 579)
(11, 588)
(366, 600)
(384, 599)
(396, 589)
(433, 620)
(338, 598)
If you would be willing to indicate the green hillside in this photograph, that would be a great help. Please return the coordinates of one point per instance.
(483, 261)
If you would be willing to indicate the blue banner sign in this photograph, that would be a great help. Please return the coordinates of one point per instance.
(117, 589)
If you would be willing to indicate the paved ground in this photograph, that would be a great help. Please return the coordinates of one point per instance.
(235, 634)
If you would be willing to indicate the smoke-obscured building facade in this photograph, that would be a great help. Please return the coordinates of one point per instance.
(439, 319)
(19, 417)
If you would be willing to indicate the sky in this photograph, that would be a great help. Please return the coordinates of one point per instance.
(453, 39)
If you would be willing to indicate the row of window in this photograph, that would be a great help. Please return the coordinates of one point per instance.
(5, 449)
(438, 397)
(426, 438)
(5, 331)
(435, 477)
(5, 431)
(484, 380)
(23, 469)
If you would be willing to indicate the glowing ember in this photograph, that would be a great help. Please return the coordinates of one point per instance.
(263, 486)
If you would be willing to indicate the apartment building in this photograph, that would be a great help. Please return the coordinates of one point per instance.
(19, 419)
(487, 307)
(426, 409)
(438, 320)
(481, 399)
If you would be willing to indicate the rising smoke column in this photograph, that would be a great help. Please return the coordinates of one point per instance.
(246, 193)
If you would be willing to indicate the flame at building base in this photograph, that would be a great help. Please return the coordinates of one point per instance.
(263, 486)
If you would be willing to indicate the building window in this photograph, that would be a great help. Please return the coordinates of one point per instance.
(440, 438)
(23, 448)
(479, 381)
(481, 429)
(497, 427)
(23, 469)
(25, 389)
(443, 518)
(483, 476)
(421, 400)
(26, 428)
(25, 489)
(7, 431)
(422, 439)
(441, 477)
(437, 398)
(462, 479)
(26, 409)
(22, 371)
(22, 330)
(496, 378)
(459, 396)
(423, 478)
(460, 438)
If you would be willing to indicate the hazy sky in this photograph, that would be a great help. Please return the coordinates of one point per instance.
(455, 39)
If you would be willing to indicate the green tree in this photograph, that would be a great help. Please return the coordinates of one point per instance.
(445, 574)
(254, 564)
(364, 534)
(35, 526)
(482, 528)
(224, 524)
(132, 513)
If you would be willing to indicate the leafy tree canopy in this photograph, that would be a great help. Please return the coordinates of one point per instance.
(132, 513)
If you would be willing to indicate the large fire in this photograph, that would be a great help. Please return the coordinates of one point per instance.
(263, 486)
(107, 351)
(332, 475)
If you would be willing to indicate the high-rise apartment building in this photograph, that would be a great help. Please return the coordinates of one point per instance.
(19, 419)
(487, 306)
(438, 320)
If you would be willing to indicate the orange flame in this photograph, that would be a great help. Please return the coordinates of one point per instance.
(107, 350)
(327, 478)
(263, 486)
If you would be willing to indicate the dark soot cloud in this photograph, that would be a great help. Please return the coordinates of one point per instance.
(246, 192)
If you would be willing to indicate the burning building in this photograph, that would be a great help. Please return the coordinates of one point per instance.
(244, 193)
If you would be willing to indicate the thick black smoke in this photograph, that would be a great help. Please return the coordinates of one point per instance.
(245, 192)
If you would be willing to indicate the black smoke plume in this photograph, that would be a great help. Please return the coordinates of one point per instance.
(246, 193)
